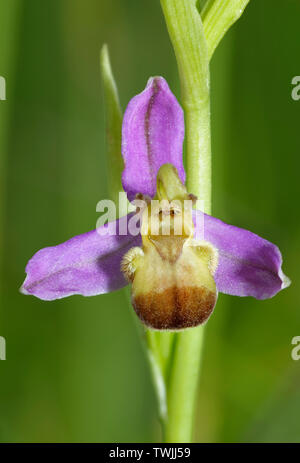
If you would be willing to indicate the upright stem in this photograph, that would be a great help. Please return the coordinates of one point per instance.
(187, 36)
(195, 27)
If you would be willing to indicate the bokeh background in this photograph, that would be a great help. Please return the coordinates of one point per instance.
(75, 368)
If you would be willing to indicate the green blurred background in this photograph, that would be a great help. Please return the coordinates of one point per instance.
(75, 369)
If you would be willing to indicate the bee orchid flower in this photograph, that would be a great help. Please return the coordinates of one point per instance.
(175, 278)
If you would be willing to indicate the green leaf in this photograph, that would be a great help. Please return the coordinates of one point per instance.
(218, 16)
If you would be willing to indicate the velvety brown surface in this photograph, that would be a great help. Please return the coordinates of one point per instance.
(175, 308)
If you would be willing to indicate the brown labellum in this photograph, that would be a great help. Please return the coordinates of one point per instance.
(175, 308)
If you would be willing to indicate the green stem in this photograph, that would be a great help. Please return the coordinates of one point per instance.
(187, 36)
(194, 41)
(181, 393)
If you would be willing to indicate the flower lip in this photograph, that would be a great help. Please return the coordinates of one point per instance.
(182, 308)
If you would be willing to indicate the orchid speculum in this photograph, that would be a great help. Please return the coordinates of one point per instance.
(181, 258)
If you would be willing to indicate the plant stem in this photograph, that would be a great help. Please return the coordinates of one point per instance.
(187, 36)
(194, 35)
(181, 393)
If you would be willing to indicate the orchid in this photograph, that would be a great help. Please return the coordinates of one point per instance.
(90, 264)
(175, 256)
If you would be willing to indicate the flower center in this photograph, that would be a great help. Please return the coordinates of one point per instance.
(172, 274)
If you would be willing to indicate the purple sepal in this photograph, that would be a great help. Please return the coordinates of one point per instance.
(87, 264)
(248, 264)
(152, 135)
